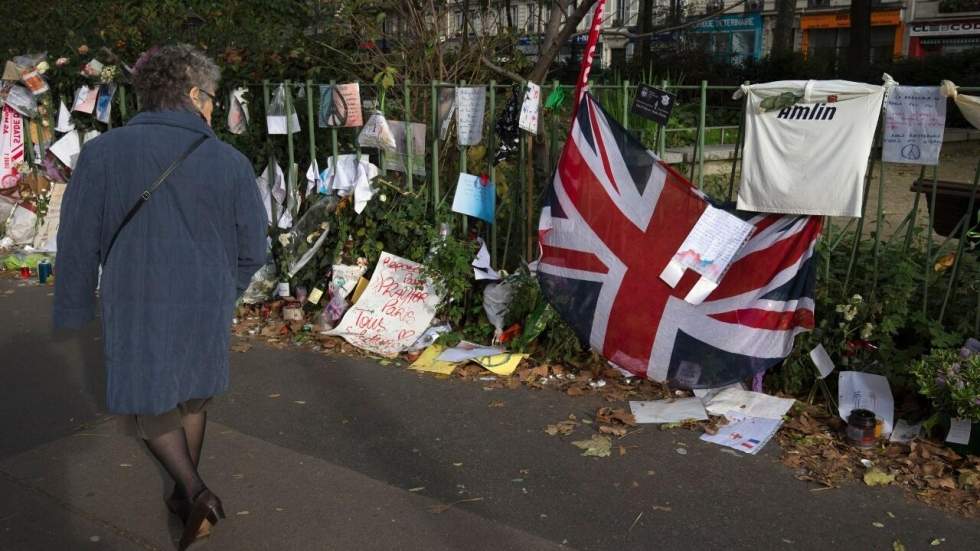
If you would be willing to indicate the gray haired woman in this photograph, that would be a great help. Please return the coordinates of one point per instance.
(172, 267)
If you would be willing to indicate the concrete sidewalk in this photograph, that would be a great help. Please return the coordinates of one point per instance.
(99, 489)
(322, 452)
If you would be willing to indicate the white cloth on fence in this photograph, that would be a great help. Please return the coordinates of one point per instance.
(969, 105)
(807, 145)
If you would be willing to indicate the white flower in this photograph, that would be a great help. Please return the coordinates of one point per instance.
(284, 239)
(42, 67)
(383, 197)
(850, 312)
(856, 299)
(867, 330)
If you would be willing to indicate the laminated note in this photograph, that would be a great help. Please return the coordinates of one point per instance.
(103, 105)
(85, 98)
(709, 250)
(470, 105)
(530, 108)
(398, 159)
(446, 110)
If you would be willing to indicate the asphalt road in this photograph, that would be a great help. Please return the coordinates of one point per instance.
(311, 451)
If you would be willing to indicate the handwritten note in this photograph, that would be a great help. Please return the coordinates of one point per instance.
(530, 108)
(475, 197)
(470, 106)
(859, 390)
(393, 311)
(915, 118)
(398, 159)
(708, 250)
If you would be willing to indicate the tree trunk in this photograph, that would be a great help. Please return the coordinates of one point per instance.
(782, 36)
(646, 25)
(557, 32)
(510, 19)
(859, 50)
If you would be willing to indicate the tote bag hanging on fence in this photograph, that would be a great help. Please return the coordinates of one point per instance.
(807, 145)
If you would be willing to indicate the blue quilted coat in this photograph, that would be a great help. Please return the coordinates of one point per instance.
(168, 290)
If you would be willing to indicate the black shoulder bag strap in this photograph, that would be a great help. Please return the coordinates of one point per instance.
(145, 196)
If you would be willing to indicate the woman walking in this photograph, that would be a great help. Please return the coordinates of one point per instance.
(173, 217)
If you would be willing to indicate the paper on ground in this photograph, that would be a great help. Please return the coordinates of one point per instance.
(397, 306)
(745, 434)
(748, 403)
(501, 364)
(664, 411)
(428, 361)
(904, 432)
(858, 390)
(959, 431)
(706, 394)
(465, 351)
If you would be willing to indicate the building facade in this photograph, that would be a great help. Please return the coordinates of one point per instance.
(943, 26)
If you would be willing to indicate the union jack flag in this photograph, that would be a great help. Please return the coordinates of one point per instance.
(614, 218)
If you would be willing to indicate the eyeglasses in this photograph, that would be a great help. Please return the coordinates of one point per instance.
(209, 95)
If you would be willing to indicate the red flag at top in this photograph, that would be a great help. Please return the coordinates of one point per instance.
(583, 76)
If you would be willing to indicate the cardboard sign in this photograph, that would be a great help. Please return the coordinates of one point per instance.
(653, 103)
(393, 311)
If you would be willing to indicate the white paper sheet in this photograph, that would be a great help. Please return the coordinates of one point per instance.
(748, 403)
(376, 133)
(395, 309)
(481, 265)
(915, 120)
(904, 432)
(65, 123)
(821, 359)
(530, 108)
(959, 431)
(858, 390)
(262, 182)
(85, 98)
(67, 148)
(708, 250)
(470, 106)
(465, 351)
(663, 411)
(745, 434)
(312, 178)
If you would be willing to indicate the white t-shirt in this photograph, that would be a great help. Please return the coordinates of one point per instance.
(809, 154)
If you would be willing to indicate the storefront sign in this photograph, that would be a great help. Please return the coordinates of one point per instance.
(945, 28)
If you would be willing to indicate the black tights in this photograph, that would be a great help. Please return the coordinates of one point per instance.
(179, 451)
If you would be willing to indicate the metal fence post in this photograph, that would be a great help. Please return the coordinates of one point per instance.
(272, 157)
(291, 171)
(662, 129)
(311, 121)
(409, 137)
(701, 126)
(626, 104)
(492, 143)
(435, 148)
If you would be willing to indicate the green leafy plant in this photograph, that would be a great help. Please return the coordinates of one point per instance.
(951, 379)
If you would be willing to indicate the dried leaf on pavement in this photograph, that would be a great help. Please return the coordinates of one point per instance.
(597, 446)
